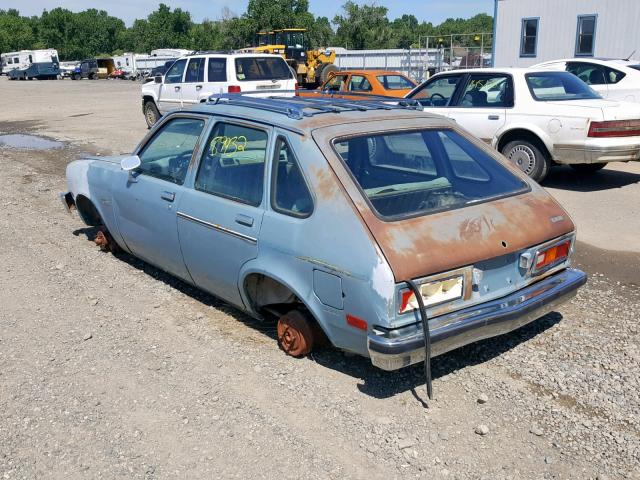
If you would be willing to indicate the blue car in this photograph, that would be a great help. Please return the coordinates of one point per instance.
(362, 224)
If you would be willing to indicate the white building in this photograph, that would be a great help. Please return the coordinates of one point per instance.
(533, 31)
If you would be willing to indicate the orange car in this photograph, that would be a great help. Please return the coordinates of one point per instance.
(372, 82)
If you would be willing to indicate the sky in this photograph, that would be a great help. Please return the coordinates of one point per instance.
(434, 11)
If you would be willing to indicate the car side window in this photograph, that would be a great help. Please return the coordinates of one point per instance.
(589, 73)
(195, 71)
(359, 83)
(487, 91)
(290, 195)
(232, 165)
(174, 75)
(168, 154)
(612, 75)
(437, 92)
(335, 84)
(217, 70)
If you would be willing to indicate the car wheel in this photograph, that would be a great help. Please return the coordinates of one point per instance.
(587, 168)
(324, 71)
(151, 113)
(298, 333)
(529, 158)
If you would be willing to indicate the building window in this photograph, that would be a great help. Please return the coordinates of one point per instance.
(529, 38)
(586, 35)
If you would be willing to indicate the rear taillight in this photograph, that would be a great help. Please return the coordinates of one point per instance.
(552, 255)
(297, 87)
(234, 89)
(615, 128)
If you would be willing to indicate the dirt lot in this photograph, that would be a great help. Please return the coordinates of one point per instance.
(111, 369)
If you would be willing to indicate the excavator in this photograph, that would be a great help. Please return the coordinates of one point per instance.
(312, 67)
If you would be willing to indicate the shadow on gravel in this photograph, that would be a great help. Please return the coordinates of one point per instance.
(267, 328)
(566, 178)
(374, 382)
(380, 384)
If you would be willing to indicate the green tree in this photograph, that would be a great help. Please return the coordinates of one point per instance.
(363, 27)
(16, 32)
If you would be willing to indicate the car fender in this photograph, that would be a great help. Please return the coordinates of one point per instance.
(534, 129)
(99, 192)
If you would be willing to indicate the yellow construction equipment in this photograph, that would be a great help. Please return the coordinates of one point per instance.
(312, 67)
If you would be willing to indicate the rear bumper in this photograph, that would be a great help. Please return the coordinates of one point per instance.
(599, 150)
(405, 346)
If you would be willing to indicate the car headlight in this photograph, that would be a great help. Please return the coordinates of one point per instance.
(433, 293)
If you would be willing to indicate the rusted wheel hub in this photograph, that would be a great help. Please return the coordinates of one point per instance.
(105, 241)
(295, 334)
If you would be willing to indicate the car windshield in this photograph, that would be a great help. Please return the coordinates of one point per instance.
(558, 86)
(262, 68)
(635, 67)
(424, 171)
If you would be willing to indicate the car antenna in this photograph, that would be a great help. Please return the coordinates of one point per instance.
(629, 57)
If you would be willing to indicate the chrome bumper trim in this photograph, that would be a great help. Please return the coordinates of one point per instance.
(394, 349)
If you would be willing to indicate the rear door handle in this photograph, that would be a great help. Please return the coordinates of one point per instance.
(177, 89)
(494, 117)
(244, 220)
(198, 87)
(168, 196)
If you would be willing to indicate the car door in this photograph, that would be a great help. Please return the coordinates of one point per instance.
(193, 81)
(216, 76)
(481, 107)
(170, 97)
(145, 200)
(219, 219)
(359, 84)
(436, 94)
(592, 74)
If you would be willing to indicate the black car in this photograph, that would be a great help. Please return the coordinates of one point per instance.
(86, 69)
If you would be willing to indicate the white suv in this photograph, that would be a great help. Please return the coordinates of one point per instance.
(194, 78)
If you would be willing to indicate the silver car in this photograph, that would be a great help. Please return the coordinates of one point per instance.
(357, 223)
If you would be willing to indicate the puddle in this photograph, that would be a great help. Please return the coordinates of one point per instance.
(28, 142)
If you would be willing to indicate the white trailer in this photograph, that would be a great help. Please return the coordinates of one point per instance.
(14, 60)
(41, 64)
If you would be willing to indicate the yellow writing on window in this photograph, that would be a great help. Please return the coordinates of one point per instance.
(223, 145)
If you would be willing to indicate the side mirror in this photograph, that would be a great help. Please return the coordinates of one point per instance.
(158, 79)
(130, 163)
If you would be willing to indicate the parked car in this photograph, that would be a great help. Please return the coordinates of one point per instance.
(536, 118)
(87, 69)
(367, 82)
(194, 78)
(160, 70)
(612, 79)
(358, 223)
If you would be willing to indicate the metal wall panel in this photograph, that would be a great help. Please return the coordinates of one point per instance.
(617, 30)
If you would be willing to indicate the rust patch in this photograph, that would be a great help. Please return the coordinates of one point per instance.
(448, 240)
(106, 242)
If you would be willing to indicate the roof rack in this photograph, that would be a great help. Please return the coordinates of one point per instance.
(298, 108)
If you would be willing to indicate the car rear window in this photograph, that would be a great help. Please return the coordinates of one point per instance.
(395, 82)
(261, 68)
(404, 174)
(635, 67)
(558, 86)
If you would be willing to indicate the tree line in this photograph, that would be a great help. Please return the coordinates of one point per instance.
(92, 32)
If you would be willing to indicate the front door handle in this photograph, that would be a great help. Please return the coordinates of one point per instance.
(494, 117)
(177, 89)
(198, 87)
(244, 220)
(168, 196)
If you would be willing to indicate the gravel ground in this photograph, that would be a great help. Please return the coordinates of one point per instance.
(111, 369)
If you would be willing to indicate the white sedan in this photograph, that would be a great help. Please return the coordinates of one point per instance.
(536, 118)
(613, 79)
